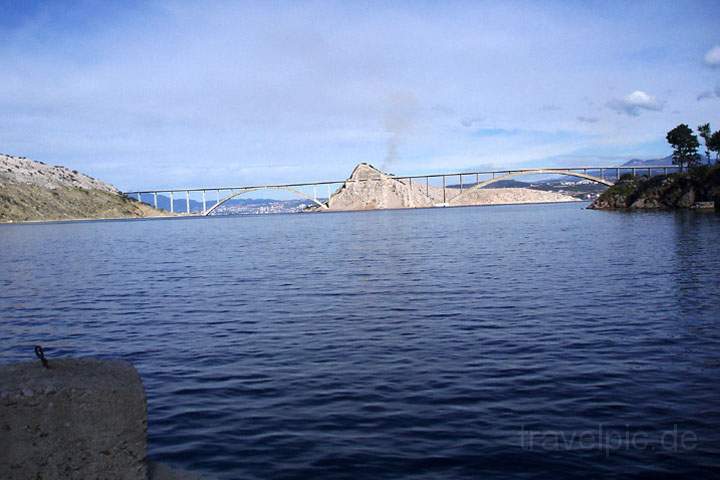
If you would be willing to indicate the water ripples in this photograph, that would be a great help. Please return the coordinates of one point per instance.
(396, 344)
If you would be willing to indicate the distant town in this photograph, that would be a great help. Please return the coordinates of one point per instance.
(262, 206)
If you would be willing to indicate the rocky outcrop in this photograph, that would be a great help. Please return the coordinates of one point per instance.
(32, 190)
(505, 196)
(662, 192)
(369, 188)
(22, 171)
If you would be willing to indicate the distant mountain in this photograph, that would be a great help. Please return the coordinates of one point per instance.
(636, 162)
(577, 187)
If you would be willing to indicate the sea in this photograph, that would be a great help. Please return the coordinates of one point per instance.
(523, 342)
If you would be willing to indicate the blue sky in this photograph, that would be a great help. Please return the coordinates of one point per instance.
(164, 94)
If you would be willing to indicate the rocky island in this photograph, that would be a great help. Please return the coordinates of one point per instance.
(34, 191)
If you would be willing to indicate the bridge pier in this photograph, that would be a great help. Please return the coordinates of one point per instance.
(204, 203)
(444, 198)
(172, 202)
(155, 200)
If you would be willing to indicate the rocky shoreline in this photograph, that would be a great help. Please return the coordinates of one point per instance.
(663, 192)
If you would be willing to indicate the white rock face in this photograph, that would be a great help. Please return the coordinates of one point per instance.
(368, 188)
(20, 170)
(501, 196)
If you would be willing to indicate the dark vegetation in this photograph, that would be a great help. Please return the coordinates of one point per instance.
(700, 182)
(685, 145)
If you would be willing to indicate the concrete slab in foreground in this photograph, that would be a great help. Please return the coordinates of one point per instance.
(79, 419)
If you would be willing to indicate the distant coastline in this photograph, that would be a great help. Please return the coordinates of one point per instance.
(35, 192)
(32, 191)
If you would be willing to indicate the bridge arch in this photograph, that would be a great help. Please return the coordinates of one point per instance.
(538, 171)
(294, 191)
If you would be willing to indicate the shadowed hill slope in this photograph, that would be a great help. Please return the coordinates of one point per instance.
(32, 190)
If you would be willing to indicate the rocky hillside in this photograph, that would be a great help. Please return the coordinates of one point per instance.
(662, 192)
(503, 196)
(32, 190)
(369, 188)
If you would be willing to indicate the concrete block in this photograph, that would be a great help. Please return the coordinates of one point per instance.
(79, 419)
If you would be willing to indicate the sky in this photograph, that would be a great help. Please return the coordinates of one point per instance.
(170, 94)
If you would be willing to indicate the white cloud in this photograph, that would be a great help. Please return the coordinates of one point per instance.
(634, 103)
(712, 57)
(266, 92)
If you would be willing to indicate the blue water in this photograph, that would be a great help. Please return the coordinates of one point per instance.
(543, 341)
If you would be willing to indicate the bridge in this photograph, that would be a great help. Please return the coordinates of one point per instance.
(465, 182)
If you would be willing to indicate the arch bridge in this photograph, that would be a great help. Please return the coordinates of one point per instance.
(294, 191)
(602, 175)
(538, 171)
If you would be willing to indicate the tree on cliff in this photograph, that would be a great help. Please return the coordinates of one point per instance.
(713, 144)
(706, 134)
(685, 145)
